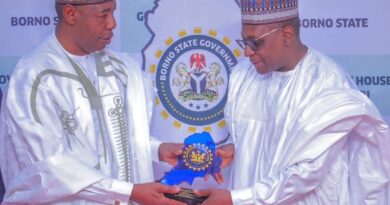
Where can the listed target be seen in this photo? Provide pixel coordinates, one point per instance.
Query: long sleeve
(295, 180)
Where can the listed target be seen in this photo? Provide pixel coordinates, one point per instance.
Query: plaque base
(187, 196)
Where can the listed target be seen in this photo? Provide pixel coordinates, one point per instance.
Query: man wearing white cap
(74, 121)
(303, 134)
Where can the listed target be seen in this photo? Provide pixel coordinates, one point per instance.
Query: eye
(250, 42)
(259, 43)
(103, 14)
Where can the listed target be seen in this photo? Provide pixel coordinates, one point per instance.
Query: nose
(248, 51)
(111, 22)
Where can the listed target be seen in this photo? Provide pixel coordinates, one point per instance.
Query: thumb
(178, 152)
(221, 153)
(169, 189)
(204, 192)
(179, 148)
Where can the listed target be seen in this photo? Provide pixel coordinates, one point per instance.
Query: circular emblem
(197, 157)
(192, 78)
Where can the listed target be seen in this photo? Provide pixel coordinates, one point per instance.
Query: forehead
(102, 7)
(252, 30)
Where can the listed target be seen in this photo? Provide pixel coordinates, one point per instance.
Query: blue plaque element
(197, 160)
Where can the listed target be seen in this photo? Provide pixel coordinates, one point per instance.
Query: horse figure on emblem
(199, 81)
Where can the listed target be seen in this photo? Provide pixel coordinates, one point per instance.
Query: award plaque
(198, 160)
(187, 196)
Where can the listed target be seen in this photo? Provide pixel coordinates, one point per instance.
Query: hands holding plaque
(197, 159)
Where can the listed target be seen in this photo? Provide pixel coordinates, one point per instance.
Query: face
(94, 26)
(264, 46)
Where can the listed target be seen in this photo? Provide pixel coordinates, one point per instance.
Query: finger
(168, 189)
(215, 175)
(218, 177)
(179, 152)
(204, 192)
(221, 176)
(171, 162)
(206, 178)
(220, 153)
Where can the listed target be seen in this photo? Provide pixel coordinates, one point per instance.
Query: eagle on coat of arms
(198, 81)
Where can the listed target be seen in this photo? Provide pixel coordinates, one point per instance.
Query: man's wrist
(154, 147)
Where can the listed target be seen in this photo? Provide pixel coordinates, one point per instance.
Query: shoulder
(323, 64)
(44, 57)
(322, 69)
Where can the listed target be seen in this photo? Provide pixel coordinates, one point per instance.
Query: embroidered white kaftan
(75, 130)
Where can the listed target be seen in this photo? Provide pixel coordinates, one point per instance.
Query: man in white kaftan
(314, 139)
(59, 114)
(303, 134)
(75, 119)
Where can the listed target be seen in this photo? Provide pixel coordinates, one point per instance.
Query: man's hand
(226, 152)
(216, 196)
(169, 152)
(153, 194)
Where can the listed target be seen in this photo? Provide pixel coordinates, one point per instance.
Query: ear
(70, 14)
(288, 35)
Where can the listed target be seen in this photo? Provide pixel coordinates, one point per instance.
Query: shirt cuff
(154, 145)
(242, 196)
(122, 191)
